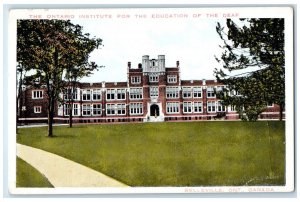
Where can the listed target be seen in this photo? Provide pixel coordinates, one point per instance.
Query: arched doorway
(154, 110)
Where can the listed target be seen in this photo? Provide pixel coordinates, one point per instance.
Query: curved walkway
(62, 172)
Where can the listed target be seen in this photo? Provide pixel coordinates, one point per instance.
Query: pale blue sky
(193, 42)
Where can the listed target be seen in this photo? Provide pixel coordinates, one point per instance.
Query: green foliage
(255, 46)
(52, 50)
(173, 154)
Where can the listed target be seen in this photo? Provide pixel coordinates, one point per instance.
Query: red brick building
(152, 92)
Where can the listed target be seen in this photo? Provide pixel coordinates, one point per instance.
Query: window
(136, 93)
(186, 92)
(210, 92)
(172, 79)
(211, 106)
(110, 94)
(37, 94)
(121, 109)
(172, 107)
(66, 109)
(75, 110)
(154, 92)
(221, 108)
(97, 109)
(37, 109)
(187, 107)
(136, 108)
(97, 94)
(135, 79)
(86, 110)
(198, 107)
(232, 108)
(86, 95)
(153, 78)
(220, 88)
(121, 94)
(69, 92)
(110, 109)
(197, 92)
(172, 92)
(270, 104)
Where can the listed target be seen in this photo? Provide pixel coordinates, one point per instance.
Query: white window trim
(191, 91)
(116, 95)
(84, 91)
(136, 98)
(172, 78)
(93, 109)
(78, 109)
(95, 90)
(191, 108)
(112, 106)
(214, 105)
(113, 93)
(154, 87)
(176, 92)
(37, 111)
(218, 103)
(37, 98)
(65, 93)
(213, 90)
(156, 80)
(133, 79)
(195, 108)
(178, 105)
(135, 103)
(115, 107)
(200, 90)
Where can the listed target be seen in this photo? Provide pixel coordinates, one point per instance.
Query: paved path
(62, 172)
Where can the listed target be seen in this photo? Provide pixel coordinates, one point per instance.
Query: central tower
(153, 65)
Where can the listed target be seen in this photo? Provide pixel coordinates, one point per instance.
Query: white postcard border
(262, 12)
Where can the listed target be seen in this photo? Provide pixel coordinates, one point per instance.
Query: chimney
(129, 65)
(140, 65)
(177, 63)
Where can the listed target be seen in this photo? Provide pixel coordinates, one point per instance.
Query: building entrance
(154, 110)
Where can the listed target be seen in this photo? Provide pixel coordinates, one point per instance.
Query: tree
(253, 63)
(44, 47)
(79, 65)
(21, 74)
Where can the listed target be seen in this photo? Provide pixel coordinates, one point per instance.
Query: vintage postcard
(151, 100)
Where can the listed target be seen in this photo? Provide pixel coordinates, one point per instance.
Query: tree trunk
(50, 115)
(71, 115)
(19, 98)
(51, 94)
(50, 123)
(50, 118)
(280, 112)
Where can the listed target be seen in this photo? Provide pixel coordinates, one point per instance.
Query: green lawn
(173, 154)
(27, 176)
